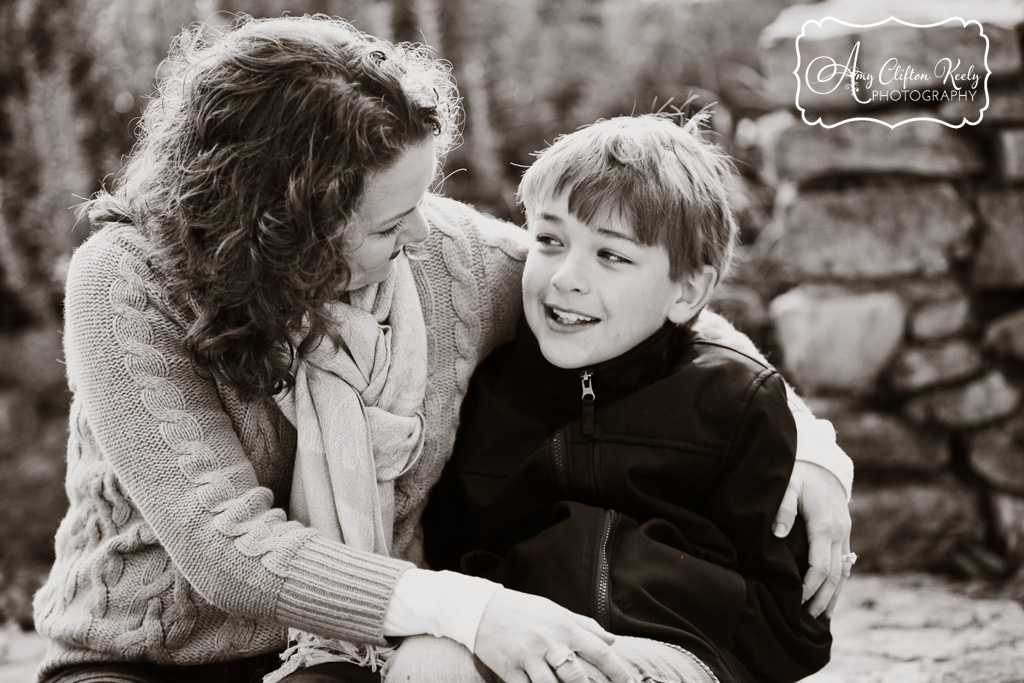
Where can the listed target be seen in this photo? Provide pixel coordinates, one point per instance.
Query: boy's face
(591, 292)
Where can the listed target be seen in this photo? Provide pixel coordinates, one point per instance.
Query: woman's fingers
(595, 675)
(819, 562)
(829, 537)
(567, 667)
(847, 567)
(819, 602)
(539, 672)
(515, 677)
(822, 505)
(527, 635)
(591, 626)
(598, 653)
(571, 672)
(787, 511)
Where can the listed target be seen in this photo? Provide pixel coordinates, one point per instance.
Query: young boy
(609, 458)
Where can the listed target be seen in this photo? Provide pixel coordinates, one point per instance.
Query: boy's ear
(694, 294)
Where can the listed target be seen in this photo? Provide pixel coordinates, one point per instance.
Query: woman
(255, 243)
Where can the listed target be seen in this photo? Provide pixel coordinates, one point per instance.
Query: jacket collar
(645, 363)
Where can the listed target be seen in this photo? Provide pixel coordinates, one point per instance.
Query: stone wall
(894, 267)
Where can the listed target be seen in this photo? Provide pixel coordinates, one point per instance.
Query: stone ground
(888, 629)
(922, 629)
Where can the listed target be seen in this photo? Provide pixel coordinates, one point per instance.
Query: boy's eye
(612, 257)
(548, 241)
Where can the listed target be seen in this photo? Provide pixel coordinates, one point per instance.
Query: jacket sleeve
(816, 438)
(775, 637)
(165, 434)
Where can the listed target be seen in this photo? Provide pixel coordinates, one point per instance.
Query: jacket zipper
(587, 399)
(558, 455)
(604, 569)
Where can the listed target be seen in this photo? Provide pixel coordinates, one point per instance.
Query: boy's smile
(592, 292)
(565, 317)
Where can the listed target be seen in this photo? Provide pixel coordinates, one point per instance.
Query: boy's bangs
(614, 197)
(645, 208)
(599, 204)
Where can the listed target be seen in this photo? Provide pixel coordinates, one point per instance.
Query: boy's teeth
(566, 317)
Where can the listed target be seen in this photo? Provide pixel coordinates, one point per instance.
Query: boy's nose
(569, 277)
(414, 229)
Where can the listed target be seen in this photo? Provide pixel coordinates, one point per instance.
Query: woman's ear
(694, 294)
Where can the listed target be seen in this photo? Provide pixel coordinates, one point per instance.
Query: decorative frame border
(819, 22)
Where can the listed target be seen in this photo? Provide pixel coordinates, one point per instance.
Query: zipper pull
(587, 399)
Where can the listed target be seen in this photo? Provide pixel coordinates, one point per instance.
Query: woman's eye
(393, 230)
(612, 257)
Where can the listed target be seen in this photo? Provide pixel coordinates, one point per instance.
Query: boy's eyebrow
(608, 232)
(605, 232)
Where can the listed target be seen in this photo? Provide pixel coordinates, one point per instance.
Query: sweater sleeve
(172, 446)
(468, 276)
(816, 442)
(775, 637)
(492, 252)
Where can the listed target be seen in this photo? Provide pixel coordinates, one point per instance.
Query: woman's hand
(820, 499)
(525, 638)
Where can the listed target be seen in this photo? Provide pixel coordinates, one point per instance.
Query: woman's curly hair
(252, 156)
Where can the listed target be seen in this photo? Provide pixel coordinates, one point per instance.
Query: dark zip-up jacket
(640, 492)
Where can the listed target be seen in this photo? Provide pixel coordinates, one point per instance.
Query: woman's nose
(414, 229)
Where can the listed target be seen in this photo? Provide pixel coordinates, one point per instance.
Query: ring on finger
(567, 658)
(850, 558)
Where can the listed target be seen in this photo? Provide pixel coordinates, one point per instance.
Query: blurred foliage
(74, 75)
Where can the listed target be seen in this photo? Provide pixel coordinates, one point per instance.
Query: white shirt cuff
(439, 603)
(816, 443)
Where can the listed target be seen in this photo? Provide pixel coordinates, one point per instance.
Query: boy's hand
(526, 638)
(820, 499)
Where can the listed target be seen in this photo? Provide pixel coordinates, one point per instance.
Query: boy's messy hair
(661, 178)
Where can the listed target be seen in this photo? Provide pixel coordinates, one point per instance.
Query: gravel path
(921, 629)
(888, 629)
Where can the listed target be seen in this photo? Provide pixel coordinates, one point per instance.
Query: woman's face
(389, 216)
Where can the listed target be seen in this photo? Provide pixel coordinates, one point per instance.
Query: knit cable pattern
(182, 432)
(450, 269)
(152, 630)
(470, 269)
(465, 295)
(113, 585)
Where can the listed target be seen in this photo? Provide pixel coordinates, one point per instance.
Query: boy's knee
(427, 659)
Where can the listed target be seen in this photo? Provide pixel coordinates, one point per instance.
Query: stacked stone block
(897, 290)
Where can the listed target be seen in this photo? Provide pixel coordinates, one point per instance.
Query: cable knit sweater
(173, 550)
